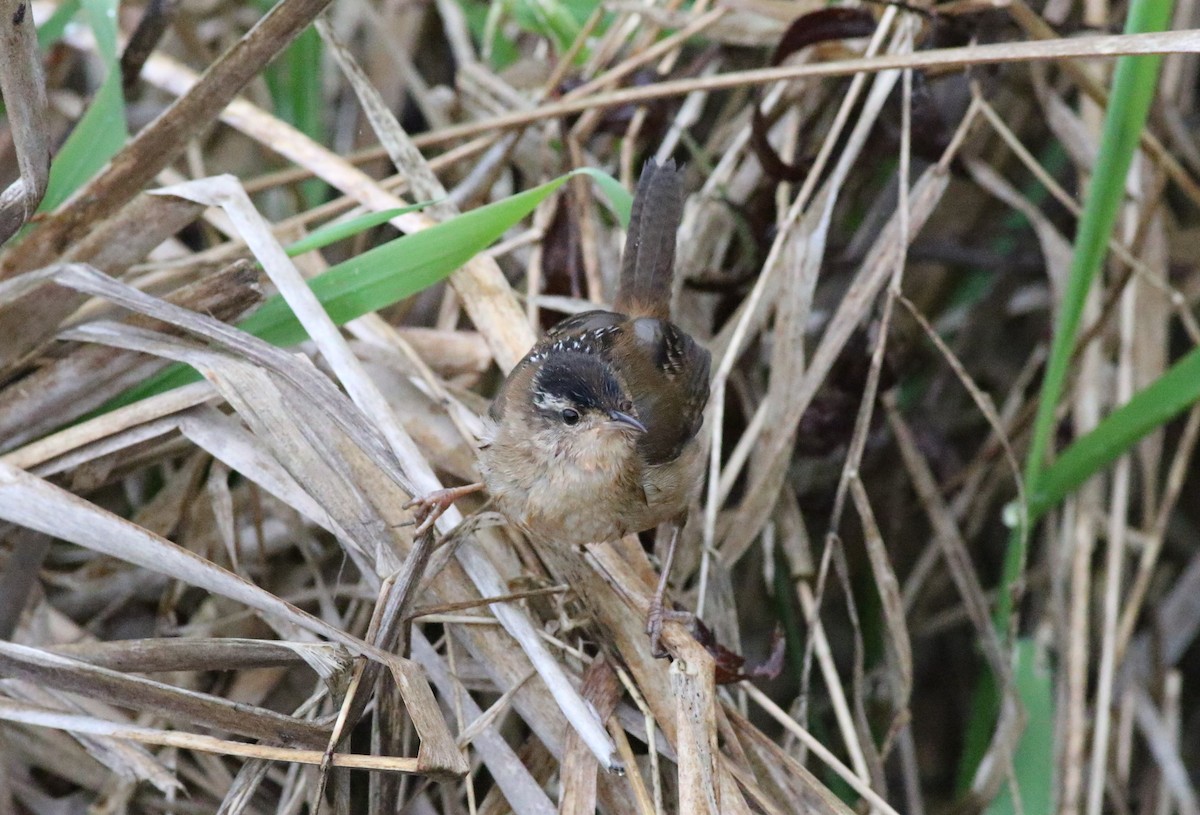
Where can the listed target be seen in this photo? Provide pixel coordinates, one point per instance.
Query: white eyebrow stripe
(550, 402)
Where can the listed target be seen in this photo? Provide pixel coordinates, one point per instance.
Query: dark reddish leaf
(729, 664)
(823, 26)
(808, 29)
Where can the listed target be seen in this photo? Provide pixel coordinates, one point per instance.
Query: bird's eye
(570, 416)
(626, 406)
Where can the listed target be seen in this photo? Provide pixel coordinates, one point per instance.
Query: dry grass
(210, 600)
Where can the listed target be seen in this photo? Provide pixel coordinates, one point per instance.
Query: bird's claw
(655, 618)
(428, 508)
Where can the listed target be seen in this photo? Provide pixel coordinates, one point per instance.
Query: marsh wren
(593, 435)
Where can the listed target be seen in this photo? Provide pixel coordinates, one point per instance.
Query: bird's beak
(625, 421)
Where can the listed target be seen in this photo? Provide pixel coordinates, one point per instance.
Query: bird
(594, 434)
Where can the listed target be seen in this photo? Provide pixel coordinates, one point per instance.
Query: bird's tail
(649, 259)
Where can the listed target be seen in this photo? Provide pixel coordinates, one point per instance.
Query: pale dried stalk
(1174, 42)
(228, 194)
(24, 92)
(857, 784)
(833, 681)
(692, 680)
(16, 712)
(898, 643)
(54, 671)
(1114, 564)
(37, 504)
(1159, 738)
(165, 138)
(61, 391)
(789, 392)
(1118, 247)
(1036, 26)
(486, 295)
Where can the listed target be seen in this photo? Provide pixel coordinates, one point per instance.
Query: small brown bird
(593, 435)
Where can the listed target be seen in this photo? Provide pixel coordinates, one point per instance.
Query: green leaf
(400, 268)
(1133, 90)
(618, 196)
(55, 26)
(548, 18)
(101, 132)
(1160, 402)
(1134, 84)
(1033, 762)
(333, 233)
(295, 82)
(389, 273)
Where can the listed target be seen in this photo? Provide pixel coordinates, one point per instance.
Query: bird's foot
(428, 508)
(656, 618)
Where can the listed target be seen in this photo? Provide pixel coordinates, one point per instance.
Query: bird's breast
(562, 498)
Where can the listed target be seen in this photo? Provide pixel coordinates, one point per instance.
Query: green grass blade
(101, 132)
(400, 268)
(389, 273)
(1033, 763)
(483, 21)
(333, 233)
(1134, 85)
(55, 26)
(1160, 402)
(618, 196)
(548, 18)
(294, 80)
(1133, 90)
